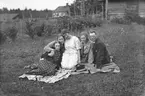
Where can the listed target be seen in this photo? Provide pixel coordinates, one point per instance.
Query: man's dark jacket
(101, 55)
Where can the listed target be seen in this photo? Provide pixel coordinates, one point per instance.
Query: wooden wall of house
(119, 8)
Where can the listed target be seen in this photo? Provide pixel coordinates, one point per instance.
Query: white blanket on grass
(63, 73)
(48, 79)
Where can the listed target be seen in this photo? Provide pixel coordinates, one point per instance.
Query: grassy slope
(125, 46)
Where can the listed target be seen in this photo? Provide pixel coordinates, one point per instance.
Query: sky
(33, 4)
(36, 4)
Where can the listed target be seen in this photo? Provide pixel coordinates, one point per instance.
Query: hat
(64, 31)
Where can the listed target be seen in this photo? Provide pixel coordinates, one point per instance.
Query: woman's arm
(51, 53)
(49, 46)
(78, 47)
(79, 56)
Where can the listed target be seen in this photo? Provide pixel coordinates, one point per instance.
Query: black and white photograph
(72, 47)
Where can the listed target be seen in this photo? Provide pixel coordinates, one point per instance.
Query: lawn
(124, 42)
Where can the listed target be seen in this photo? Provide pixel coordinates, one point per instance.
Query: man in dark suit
(100, 53)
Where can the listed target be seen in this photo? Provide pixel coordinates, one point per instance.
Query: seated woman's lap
(69, 61)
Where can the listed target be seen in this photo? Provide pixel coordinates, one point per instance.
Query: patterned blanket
(65, 73)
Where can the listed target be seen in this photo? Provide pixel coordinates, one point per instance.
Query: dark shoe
(25, 78)
(80, 67)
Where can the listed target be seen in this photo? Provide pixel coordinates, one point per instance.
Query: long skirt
(44, 67)
(69, 60)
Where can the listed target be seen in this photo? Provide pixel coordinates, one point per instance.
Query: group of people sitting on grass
(69, 55)
(86, 54)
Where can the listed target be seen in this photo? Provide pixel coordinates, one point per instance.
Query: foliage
(141, 20)
(40, 30)
(49, 29)
(45, 29)
(2, 37)
(29, 29)
(11, 32)
(90, 7)
(26, 12)
(120, 20)
(77, 23)
(137, 19)
(97, 22)
(63, 22)
(128, 19)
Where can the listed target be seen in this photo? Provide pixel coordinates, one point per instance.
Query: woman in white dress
(71, 55)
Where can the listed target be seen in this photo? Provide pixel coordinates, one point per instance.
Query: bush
(139, 20)
(77, 23)
(128, 19)
(2, 37)
(97, 22)
(121, 20)
(40, 30)
(11, 32)
(29, 29)
(49, 30)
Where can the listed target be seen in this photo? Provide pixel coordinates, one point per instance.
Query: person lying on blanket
(48, 62)
(101, 54)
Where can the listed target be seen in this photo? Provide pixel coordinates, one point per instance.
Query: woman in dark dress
(50, 47)
(51, 58)
(48, 62)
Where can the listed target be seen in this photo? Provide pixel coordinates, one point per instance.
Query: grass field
(125, 43)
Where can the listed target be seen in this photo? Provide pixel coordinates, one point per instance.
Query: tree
(45, 10)
(5, 10)
(75, 8)
(26, 9)
(85, 7)
(1, 11)
(92, 6)
(11, 10)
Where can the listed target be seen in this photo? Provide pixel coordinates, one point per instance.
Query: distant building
(6, 17)
(117, 9)
(142, 9)
(61, 11)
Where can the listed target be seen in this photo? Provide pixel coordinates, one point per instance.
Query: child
(48, 62)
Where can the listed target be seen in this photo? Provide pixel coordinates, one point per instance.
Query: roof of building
(62, 9)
